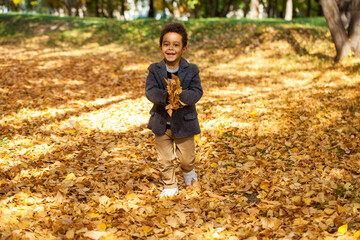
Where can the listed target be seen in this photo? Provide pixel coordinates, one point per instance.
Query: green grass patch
(143, 34)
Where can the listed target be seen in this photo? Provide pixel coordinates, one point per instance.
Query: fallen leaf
(173, 222)
(356, 234)
(94, 234)
(343, 229)
(70, 234)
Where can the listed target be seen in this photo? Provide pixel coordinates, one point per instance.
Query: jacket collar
(182, 66)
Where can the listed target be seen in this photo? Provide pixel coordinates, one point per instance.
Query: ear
(184, 49)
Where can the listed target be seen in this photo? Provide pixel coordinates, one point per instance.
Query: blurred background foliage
(142, 35)
(160, 9)
(342, 16)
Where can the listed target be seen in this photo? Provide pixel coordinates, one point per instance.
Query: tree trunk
(254, 9)
(246, 8)
(97, 12)
(272, 8)
(216, 9)
(13, 8)
(122, 10)
(226, 8)
(213, 8)
(345, 11)
(68, 5)
(282, 13)
(69, 10)
(320, 11)
(195, 11)
(103, 11)
(336, 27)
(354, 27)
(268, 8)
(308, 12)
(207, 9)
(289, 10)
(151, 9)
(276, 11)
(77, 5)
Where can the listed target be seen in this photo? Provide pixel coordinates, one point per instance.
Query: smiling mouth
(171, 54)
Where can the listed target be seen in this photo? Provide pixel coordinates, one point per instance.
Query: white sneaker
(169, 192)
(190, 176)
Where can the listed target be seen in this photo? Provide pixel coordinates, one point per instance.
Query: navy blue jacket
(184, 121)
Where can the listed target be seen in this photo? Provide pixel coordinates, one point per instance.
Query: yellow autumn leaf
(199, 222)
(343, 229)
(130, 195)
(101, 226)
(341, 209)
(260, 146)
(70, 176)
(357, 234)
(26, 191)
(214, 165)
(110, 236)
(307, 201)
(296, 199)
(329, 211)
(70, 234)
(146, 229)
(310, 193)
(93, 215)
(295, 150)
(264, 185)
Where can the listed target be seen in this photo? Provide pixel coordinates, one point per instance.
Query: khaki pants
(166, 147)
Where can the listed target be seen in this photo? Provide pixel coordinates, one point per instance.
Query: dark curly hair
(177, 28)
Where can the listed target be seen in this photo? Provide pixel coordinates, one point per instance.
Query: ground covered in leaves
(278, 157)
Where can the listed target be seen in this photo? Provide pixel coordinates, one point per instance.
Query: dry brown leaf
(279, 142)
(174, 90)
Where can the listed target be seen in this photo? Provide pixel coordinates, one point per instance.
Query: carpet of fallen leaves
(278, 157)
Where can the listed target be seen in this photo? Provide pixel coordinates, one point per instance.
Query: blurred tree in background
(342, 16)
(343, 19)
(168, 8)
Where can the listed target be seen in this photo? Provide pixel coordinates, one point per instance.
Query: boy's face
(172, 48)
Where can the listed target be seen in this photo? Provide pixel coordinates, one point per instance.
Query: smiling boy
(174, 135)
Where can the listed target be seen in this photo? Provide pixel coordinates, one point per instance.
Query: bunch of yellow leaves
(174, 90)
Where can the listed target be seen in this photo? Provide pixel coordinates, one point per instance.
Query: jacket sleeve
(193, 94)
(153, 92)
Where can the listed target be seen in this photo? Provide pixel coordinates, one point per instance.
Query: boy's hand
(174, 90)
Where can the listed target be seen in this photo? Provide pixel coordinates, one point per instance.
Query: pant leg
(166, 156)
(185, 150)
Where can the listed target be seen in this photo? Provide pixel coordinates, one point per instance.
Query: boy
(174, 133)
